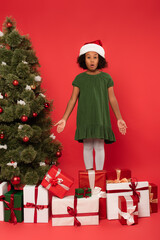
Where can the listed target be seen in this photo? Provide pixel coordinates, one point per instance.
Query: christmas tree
(27, 147)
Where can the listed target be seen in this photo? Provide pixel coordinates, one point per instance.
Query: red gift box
(118, 175)
(94, 179)
(153, 197)
(128, 210)
(57, 182)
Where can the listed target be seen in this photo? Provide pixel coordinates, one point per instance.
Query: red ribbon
(133, 187)
(10, 205)
(34, 205)
(73, 212)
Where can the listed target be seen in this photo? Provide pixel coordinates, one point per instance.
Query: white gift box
(123, 189)
(3, 190)
(40, 208)
(87, 211)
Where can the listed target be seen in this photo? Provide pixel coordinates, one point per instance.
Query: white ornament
(1, 34)
(3, 146)
(1, 96)
(52, 136)
(28, 87)
(3, 64)
(14, 164)
(37, 78)
(21, 102)
(42, 164)
(41, 94)
(20, 127)
(24, 62)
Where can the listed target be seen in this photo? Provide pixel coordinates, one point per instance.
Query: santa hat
(95, 46)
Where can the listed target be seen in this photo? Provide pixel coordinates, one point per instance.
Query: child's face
(91, 60)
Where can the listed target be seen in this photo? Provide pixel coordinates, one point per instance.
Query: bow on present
(54, 181)
(129, 215)
(97, 191)
(133, 186)
(73, 212)
(118, 180)
(10, 207)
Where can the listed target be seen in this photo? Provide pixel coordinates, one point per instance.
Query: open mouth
(92, 65)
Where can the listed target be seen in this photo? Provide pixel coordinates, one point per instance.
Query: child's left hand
(122, 126)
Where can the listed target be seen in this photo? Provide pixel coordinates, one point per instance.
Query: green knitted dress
(93, 118)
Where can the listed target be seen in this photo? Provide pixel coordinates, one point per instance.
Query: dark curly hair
(101, 63)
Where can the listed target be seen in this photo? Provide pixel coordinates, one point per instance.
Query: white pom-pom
(24, 62)
(21, 102)
(41, 94)
(1, 34)
(3, 63)
(28, 87)
(20, 127)
(37, 78)
(52, 136)
(1, 96)
(42, 164)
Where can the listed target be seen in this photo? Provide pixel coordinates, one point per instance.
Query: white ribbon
(42, 95)
(97, 191)
(129, 215)
(1, 96)
(21, 102)
(3, 63)
(14, 164)
(52, 136)
(37, 78)
(24, 62)
(3, 146)
(28, 87)
(42, 164)
(59, 182)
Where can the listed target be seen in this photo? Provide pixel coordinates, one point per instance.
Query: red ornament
(9, 24)
(24, 118)
(2, 135)
(34, 114)
(47, 162)
(1, 110)
(16, 180)
(47, 105)
(25, 139)
(12, 161)
(15, 83)
(6, 95)
(58, 154)
(33, 87)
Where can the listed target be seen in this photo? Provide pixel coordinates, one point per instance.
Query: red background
(130, 34)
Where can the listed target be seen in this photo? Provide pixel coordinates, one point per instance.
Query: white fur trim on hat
(92, 47)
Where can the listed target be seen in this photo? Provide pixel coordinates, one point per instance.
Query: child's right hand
(60, 125)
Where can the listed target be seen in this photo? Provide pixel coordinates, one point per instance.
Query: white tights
(98, 146)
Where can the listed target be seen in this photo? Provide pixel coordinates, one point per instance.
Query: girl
(93, 88)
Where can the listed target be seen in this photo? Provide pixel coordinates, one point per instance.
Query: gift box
(71, 211)
(128, 210)
(82, 192)
(94, 179)
(13, 211)
(57, 182)
(3, 190)
(153, 197)
(36, 204)
(139, 189)
(118, 175)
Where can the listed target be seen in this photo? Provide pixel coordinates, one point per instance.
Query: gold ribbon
(118, 180)
(151, 200)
